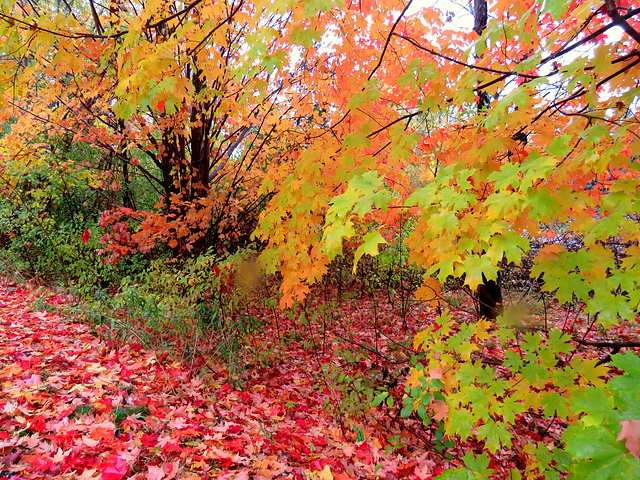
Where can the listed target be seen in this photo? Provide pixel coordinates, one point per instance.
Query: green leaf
(379, 398)
(477, 265)
(275, 61)
(534, 373)
(367, 182)
(369, 246)
(629, 362)
(555, 7)
(519, 97)
(311, 7)
(456, 474)
(509, 244)
(356, 140)
(559, 146)
(436, 383)
(542, 203)
(460, 421)
(305, 37)
(589, 442)
(609, 306)
(333, 236)
(370, 94)
(555, 405)
(595, 402)
(598, 456)
(495, 434)
(479, 465)
(558, 342)
(508, 175)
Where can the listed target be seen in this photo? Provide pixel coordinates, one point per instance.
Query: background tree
(190, 98)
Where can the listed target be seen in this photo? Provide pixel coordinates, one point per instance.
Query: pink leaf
(630, 433)
(155, 473)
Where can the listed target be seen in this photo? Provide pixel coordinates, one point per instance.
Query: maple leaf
(89, 474)
(325, 473)
(114, 468)
(430, 292)
(630, 434)
(441, 410)
(155, 472)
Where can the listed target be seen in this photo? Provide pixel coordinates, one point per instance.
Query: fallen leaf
(115, 470)
(88, 474)
(155, 473)
(325, 473)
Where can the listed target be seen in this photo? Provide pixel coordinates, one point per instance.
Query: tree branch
(606, 344)
(612, 11)
(386, 43)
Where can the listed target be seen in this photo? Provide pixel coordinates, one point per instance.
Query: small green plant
(82, 410)
(120, 414)
(356, 388)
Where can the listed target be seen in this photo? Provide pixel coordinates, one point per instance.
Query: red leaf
(116, 470)
(86, 235)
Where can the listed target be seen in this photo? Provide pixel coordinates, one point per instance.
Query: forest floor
(76, 404)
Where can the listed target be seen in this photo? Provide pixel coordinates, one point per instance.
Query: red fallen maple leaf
(86, 235)
(115, 470)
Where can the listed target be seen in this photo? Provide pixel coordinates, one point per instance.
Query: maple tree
(315, 125)
(195, 98)
(556, 150)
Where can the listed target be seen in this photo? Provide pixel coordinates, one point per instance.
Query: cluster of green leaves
(541, 376)
(354, 385)
(49, 220)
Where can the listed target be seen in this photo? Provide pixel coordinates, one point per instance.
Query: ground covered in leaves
(75, 404)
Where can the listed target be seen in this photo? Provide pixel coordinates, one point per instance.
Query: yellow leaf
(414, 379)
(325, 473)
(481, 329)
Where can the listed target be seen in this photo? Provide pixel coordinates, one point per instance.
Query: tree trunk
(489, 293)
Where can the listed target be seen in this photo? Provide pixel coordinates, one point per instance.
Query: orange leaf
(550, 252)
(429, 292)
(441, 410)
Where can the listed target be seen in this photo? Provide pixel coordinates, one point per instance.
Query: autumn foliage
(317, 129)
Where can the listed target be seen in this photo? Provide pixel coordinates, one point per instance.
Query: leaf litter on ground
(75, 405)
